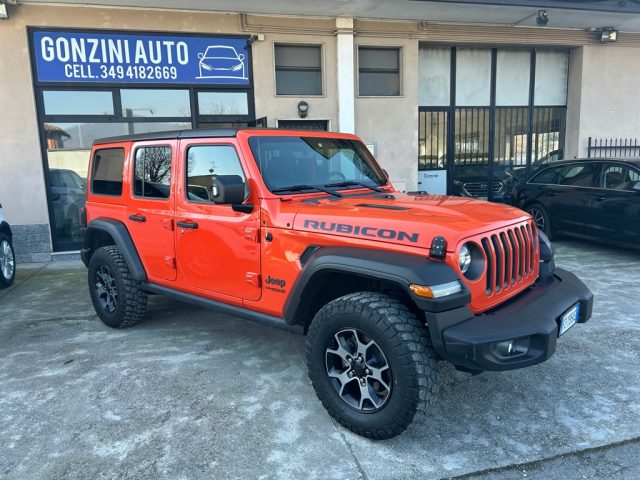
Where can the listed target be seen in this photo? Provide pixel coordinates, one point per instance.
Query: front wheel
(371, 363)
(7, 261)
(542, 219)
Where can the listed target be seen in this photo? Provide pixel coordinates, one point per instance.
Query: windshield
(314, 162)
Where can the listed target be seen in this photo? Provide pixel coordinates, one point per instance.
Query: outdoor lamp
(609, 35)
(303, 109)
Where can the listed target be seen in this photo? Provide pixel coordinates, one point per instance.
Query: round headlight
(464, 258)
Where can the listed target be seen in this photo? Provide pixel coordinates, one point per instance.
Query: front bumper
(470, 341)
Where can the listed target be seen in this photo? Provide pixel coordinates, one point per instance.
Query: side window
(547, 177)
(580, 175)
(106, 173)
(152, 172)
(205, 162)
(618, 177)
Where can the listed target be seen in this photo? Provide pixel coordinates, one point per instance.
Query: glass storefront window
(473, 77)
(513, 69)
(552, 71)
(435, 76)
(77, 102)
(223, 103)
(155, 103)
(68, 149)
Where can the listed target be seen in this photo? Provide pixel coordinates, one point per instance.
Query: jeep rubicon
(304, 230)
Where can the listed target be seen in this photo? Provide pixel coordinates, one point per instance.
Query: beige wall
(324, 107)
(392, 122)
(604, 95)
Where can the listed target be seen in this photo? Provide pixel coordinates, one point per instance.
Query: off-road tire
(404, 342)
(540, 214)
(6, 281)
(131, 299)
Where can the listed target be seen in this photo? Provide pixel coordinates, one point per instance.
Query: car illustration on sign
(219, 61)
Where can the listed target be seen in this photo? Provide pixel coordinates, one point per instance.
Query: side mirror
(201, 56)
(636, 187)
(227, 189)
(241, 57)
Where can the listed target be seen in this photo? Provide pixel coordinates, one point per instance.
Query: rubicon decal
(362, 231)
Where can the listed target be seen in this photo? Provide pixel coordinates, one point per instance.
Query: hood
(402, 219)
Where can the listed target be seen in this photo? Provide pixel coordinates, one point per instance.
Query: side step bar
(222, 307)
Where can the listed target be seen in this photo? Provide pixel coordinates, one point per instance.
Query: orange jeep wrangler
(303, 230)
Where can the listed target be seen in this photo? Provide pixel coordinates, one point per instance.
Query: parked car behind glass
(594, 198)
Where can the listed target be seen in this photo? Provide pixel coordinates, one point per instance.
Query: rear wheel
(115, 294)
(371, 364)
(7, 261)
(541, 217)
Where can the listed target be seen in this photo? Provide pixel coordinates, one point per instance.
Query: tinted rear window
(106, 174)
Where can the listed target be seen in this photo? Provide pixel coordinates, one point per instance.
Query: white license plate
(569, 319)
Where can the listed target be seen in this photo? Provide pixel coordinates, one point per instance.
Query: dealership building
(450, 96)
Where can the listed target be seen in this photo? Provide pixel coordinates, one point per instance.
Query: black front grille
(481, 189)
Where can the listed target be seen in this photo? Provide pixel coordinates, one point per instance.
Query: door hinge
(253, 279)
(252, 234)
(168, 224)
(171, 262)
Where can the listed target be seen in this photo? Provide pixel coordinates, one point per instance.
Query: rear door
(616, 207)
(571, 197)
(218, 247)
(151, 208)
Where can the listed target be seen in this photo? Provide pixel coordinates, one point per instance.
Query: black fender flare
(399, 268)
(122, 238)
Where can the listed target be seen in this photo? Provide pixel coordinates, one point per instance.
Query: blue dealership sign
(139, 58)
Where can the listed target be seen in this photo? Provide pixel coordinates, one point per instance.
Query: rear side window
(152, 172)
(106, 174)
(547, 177)
(618, 177)
(580, 175)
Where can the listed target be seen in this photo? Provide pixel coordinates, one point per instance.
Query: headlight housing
(471, 261)
(464, 258)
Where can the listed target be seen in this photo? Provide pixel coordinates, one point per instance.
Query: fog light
(513, 347)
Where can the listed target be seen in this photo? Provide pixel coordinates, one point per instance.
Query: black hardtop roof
(171, 135)
(193, 133)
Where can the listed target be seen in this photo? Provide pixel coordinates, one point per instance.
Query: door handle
(138, 218)
(191, 225)
(553, 194)
(601, 198)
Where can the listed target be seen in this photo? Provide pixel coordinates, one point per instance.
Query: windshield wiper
(350, 183)
(299, 188)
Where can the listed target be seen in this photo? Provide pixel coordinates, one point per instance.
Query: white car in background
(7, 257)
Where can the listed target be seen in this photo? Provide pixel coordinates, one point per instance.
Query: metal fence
(613, 147)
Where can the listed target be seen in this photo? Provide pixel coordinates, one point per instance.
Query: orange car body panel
(228, 259)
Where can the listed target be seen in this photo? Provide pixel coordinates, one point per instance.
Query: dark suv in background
(594, 198)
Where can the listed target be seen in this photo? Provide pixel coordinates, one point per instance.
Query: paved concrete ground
(195, 394)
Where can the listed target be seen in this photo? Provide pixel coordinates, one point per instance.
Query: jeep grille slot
(511, 255)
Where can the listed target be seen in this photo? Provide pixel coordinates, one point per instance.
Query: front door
(150, 211)
(217, 247)
(615, 208)
(572, 196)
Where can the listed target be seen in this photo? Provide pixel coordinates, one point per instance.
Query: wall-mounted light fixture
(4, 13)
(303, 109)
(608, 35)
(542, 18)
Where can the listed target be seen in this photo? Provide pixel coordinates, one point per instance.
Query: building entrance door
(489, 116)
